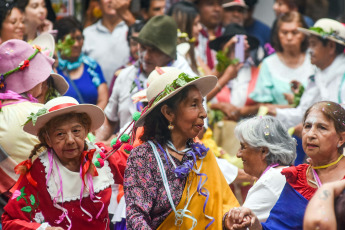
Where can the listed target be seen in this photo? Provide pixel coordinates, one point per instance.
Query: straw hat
(64, 105)
(327, 28)
(15, 53)
(175, 80)
(232, 3)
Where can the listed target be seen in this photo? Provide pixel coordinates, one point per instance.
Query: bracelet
(219, 87)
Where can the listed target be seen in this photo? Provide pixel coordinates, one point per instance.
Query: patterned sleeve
(139, 188)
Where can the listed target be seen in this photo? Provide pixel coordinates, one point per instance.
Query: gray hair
(269, 132)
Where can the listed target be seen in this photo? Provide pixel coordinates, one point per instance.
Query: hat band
(61, 106)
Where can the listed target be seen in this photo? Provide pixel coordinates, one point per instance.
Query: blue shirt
(259, 30)
(86, 84)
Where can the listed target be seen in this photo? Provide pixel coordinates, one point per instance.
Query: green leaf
(26, 209)
(65, 46)
(33, 116)
(32, 199)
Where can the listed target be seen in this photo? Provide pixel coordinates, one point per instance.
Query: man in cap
(326, 44)
(234, 12)
(157, 47)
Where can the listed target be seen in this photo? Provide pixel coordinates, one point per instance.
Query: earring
(170, 126)
(338, 145)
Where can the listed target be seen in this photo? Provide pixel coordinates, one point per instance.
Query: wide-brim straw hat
(328, 29)
(161, 33)
(232, 3)
(65, 105)
(14, 52)
(164, 78)
(230, 31)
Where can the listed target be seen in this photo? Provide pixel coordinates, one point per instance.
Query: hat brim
(231, 4)
(310, 32)
(204, 84)
(95, 113)
(216, 43)
(46, 42)
(149, 43)
(60, 83)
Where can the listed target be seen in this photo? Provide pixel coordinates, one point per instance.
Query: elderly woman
(62, 188)
(323, 138)
(25, 80)
(170, 180)
(11, 21)
(36, 22)
(266, 148)
(291, 62)
(82, 72)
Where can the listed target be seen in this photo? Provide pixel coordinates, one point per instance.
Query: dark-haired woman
(170, 180)
(290, 62)
(11, 21)
(84, 75)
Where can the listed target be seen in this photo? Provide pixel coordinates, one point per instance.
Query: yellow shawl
(220, 201)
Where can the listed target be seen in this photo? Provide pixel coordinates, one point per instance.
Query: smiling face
(35, 12)
(319, 137)
(188, 120)
(67, 138)
(13, 26)
(254, 162)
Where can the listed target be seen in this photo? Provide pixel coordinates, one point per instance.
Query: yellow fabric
(220, 201)
(17, 143)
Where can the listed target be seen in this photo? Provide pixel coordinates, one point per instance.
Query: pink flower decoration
(16, 194)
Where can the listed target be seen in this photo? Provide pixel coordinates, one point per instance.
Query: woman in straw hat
(25, 80)
(323, 140)
(62, 188)
(170, 180)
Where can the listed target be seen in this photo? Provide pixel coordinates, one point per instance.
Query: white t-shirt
(265, 192)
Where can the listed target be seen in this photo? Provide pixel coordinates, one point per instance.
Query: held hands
(239, 218)
(231, 112)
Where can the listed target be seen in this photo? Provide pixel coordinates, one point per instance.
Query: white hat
(63, 105)
(231, 3)
(327, 28)
(168, 83)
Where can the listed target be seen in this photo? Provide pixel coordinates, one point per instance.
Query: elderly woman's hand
(239, 218)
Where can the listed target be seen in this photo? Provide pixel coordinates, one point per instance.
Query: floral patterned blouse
(146, 199)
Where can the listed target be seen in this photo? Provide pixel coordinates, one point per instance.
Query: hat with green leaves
(327, 29)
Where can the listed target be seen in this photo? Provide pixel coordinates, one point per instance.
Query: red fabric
(6, 182)
(117, 162)
(16, 219)
(297, 178)
(225, 94)
(23, 168)
(209, 56)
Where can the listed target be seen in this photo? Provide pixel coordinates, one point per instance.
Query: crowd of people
(164, 114)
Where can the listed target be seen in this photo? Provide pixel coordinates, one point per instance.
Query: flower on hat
(24, 64)
(2, 82)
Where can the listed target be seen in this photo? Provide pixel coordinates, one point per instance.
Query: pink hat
(231, 3)
(34, 68)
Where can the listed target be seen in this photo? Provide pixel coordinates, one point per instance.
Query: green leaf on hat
(33, 116)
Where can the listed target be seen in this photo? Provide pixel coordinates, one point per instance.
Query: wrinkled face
(157, 7)
(13, 26)
(319, 54)
(35, 12)
(196, 27)
(150, 57)
(67, 139)
(190, 115)
(289, 36)
(108, 7)
(211, 13)
(280, 7)
(253, 159)
(78, 38)
(234, 14)
(319, 136)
